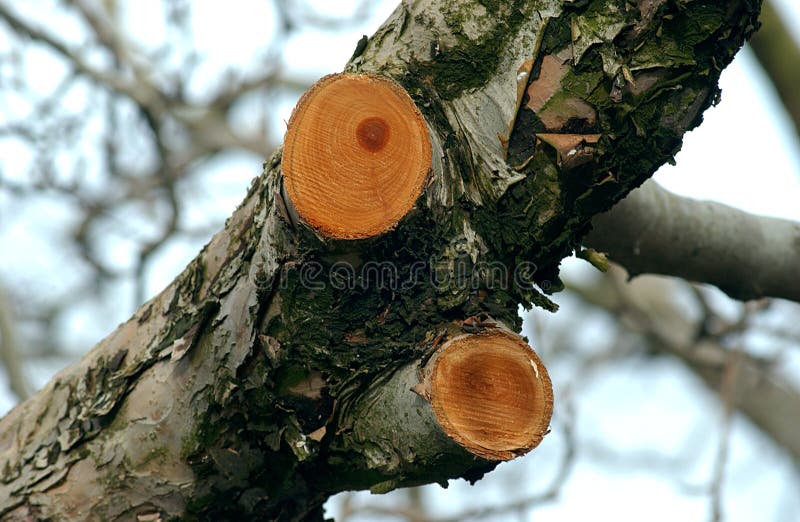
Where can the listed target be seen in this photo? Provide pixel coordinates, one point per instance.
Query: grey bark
(746, 256)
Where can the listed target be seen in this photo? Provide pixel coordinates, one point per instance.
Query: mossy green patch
(471, 63)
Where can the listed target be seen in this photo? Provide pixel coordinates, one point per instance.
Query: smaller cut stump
(491, 393)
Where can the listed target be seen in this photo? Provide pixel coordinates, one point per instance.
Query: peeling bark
(238, 392)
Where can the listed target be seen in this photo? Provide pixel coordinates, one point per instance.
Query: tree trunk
(276, 369)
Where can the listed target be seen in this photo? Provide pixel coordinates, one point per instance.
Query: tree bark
(744, 255)
(248, 389)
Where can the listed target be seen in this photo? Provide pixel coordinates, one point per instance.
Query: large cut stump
(356, 155)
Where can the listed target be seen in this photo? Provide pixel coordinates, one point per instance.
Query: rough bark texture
(210, 403)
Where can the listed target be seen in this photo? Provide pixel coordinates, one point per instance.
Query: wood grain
(356, 155)
(492, 394)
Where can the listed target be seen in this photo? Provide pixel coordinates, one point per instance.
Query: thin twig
(728, 390)
(9, 351)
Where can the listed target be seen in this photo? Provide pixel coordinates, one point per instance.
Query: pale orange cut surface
(356, 155)
(492, 394)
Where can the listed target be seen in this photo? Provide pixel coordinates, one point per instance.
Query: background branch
(769, 399)
(745, 255)
(779, 54)
(9, 351)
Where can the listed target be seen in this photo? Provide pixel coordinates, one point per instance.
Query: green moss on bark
(471, 63)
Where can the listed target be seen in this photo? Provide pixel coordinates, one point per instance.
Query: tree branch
(779, 54)
(254, 386)
(746, 256)
(9, 350)
(768, 399)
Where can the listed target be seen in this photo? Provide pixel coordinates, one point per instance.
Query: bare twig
(727, 394)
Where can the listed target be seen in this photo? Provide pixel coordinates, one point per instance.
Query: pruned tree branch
(745, 255)
(262, 379)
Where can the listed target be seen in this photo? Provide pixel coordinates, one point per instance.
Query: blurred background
(129, 131)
